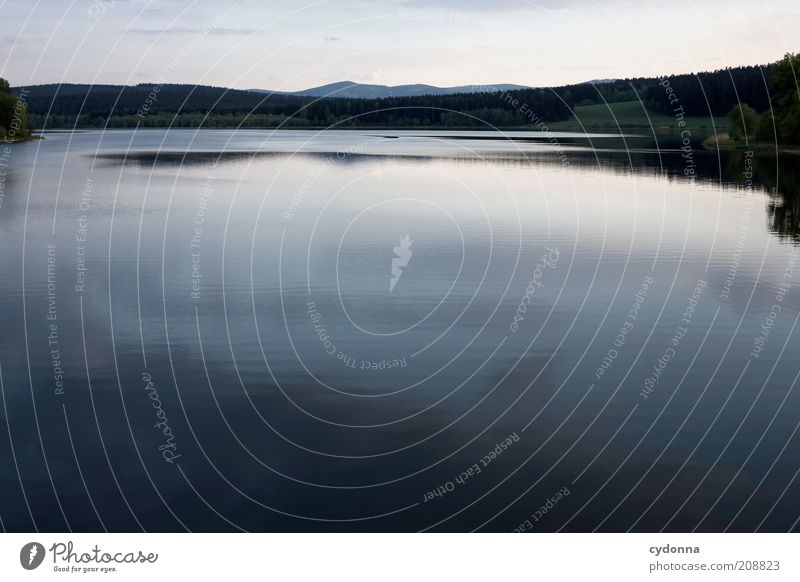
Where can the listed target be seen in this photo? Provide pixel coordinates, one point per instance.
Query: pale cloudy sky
(294, 44)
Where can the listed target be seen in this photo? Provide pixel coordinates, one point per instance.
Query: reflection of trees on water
(782, 175)
(778, 176)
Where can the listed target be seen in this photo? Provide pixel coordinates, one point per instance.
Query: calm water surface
(381, 330)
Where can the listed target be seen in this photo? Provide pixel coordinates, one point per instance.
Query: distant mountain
(352, 90)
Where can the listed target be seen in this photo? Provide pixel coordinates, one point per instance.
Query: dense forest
(703, 94)
(779, 123)
(61, 106)
(713, 93)
(14, 122)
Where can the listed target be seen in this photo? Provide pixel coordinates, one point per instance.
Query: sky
(291, 45)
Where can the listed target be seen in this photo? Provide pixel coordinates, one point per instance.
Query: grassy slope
(632, 115)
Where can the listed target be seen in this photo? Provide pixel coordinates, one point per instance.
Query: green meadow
(631, 115)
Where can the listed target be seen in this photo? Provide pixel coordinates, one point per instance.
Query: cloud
(476, 5)
(509, 5)
(10, 41)
(220, 30)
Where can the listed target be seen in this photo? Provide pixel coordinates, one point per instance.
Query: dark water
(200, 331)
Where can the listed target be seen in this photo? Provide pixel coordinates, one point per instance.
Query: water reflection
(778, 175)
(246, 278)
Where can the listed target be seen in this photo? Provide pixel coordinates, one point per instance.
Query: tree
(766, 130)
(14, 122)
(786, 98)
(744, 121)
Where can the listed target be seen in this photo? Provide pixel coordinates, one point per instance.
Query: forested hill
(51, 106)
(704, 94)
(701, 95)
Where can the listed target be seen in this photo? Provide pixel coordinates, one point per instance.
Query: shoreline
(721, 143)
(724, 143)
(16, 139)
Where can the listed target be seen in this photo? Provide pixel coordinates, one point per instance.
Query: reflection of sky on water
(316, 433)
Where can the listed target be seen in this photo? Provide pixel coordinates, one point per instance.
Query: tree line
(63, 106)
(767, 90)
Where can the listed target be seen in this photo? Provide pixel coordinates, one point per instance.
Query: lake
(396, 331)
